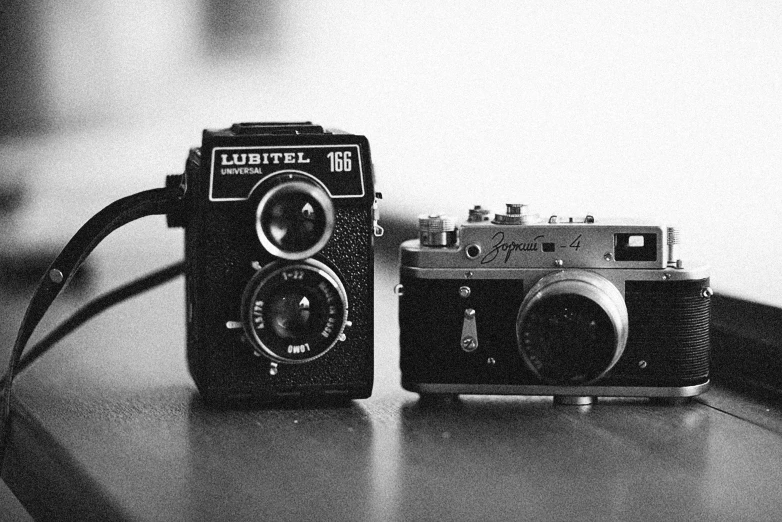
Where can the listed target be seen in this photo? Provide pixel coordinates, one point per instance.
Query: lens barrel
(294, 219)
(294, 312)
(572, 327)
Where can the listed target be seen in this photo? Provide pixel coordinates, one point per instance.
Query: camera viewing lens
(295, 219)
(572, 327)
(294, 312)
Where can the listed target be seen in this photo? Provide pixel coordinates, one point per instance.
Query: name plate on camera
(236, 171)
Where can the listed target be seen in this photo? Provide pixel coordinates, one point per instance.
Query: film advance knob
(516, 214)
(436, 230)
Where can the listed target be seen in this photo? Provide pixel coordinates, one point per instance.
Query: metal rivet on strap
(56, 276)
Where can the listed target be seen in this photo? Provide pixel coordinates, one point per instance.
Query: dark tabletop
(110, 425)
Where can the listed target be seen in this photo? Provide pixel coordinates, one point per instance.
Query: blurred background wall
(664, 109)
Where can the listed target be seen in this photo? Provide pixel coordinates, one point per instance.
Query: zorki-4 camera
(574, 308)
(279, 223)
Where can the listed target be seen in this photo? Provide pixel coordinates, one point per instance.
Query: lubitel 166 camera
(574, 308)
(279, 221)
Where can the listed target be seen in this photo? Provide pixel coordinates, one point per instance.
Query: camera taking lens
(294, 313)
(572, 327)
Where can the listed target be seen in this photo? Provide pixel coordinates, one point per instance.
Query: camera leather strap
(60, 272)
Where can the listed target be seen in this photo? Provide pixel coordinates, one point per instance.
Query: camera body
(279, 223)
(574, 308)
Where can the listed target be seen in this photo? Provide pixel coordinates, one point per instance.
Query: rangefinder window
(635, 247)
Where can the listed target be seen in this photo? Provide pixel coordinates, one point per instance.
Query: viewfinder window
(636, 241)
(635, 247)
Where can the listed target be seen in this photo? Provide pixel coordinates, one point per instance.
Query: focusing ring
(293, 187)
(547, 303)
(271, 299)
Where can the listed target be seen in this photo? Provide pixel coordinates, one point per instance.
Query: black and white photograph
(390, 261)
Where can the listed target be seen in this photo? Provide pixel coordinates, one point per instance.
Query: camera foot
(574, 400)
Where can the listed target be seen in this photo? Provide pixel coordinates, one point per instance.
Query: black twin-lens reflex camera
(279, 223)
(574, 308)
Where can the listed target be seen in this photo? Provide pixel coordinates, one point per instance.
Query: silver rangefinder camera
(575, 308)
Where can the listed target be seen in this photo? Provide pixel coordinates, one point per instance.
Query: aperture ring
(296, 312)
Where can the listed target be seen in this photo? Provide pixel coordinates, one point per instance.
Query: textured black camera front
(569, 339)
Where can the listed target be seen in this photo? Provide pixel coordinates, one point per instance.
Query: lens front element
(572, 327)
(295, 219)
(294, 312)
